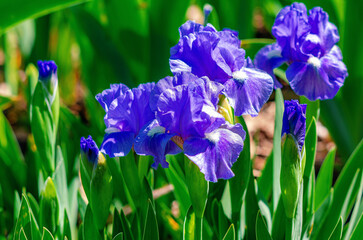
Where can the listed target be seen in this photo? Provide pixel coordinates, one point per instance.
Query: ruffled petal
(107, 96)
(168, 83)
(290, 26)
(320, 25)
(269, 58)
(248, 91)
(193, 54)
(152, 140)
(117, 144)
(225, 145)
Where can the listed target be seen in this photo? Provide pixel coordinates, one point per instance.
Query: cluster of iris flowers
(191, 111)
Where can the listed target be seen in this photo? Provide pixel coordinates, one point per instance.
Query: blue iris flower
(187, 119)
(204, 51)
(127, 111)
(307, 43)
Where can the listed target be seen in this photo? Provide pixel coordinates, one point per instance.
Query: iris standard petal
(268, 58)
(107, 96)
(320, 25)
(168, 83)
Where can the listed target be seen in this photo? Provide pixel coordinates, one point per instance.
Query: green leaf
(321, 213)
(324, 179)
(310, 148)
(89, 227)
(67, 233)
(13, 14)
(341, 205)
(337, 232)
(101, 191)
(219, 219)
(197, 186)
(151, 230)
(47, 235)
(43, 127)
(138, 196)
(239, 182)
(23, 218)
(358, 230)
(261, 229)
(230, 234)
(49, 207)
(117, 179)
(276, 191)
(251, 208)
(192, 228)
(126, 229)
(119, 236)
(265, 180)
(180, 189)
(116, 224)
(354, 216)
(22, 235)
(279, 221)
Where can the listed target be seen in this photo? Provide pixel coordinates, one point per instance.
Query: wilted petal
(223, 149)
(248, 91)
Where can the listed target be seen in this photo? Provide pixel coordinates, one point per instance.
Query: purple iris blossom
(127, 111)
(48, 77)
(307, 45)
(294, 122)
(187, 114)
(89, 149)
(204, 51)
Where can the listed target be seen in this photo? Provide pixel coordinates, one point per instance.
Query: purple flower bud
(46, 70)
(89, 149)
(294, 122)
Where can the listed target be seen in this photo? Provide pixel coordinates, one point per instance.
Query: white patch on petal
(112, 130)
(315, 62)
(155, 130)
(213, 136)
(240, 75)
